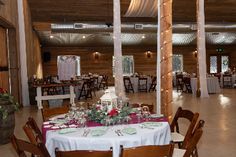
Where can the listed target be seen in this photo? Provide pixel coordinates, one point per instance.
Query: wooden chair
(142, 84)
(22, 146)
(189, 148)
(49, 112)
(187, 84)
(128, 85)
(83, 153)
(148, 151)
(104, 82)
(86, 90)
(179, 82)
(199, 125)
(32, 131)
(151, 107)
(153, 84)
(227, 80)
(175, 131)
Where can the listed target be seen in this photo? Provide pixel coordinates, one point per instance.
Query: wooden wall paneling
(4, 76)
(33, 50)
(9, 12)
(142, 64)
(3, 48)
(14, 65)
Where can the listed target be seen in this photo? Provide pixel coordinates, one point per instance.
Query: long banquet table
(213, 85)
(76, 141)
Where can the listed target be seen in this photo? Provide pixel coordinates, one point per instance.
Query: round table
(159, 135)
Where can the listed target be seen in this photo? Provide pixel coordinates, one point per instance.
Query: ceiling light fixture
(51, 36)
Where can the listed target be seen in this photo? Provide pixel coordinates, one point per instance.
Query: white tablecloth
(134, 81)
(75, 141)
(233, 80)
(213, 85)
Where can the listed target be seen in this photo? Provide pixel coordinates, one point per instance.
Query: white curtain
(119, 85)
(142, 8)
(67, 67)
(201, 48)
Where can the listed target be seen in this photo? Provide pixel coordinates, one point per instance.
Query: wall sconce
(148, 54)
(96, 55)
(195, 54)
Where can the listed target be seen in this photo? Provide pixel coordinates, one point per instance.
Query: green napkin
(67, 130)
(98, 132)
(129, 131)
(152, 124)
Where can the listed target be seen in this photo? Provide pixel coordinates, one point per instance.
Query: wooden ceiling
(102, 11)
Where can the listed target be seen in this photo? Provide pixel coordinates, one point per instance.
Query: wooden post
(165, 50)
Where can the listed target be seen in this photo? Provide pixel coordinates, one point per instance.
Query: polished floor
(219, 112)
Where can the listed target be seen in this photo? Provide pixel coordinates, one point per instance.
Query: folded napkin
(129, 131)
(67, 130)
(98, 132)
(151, 124)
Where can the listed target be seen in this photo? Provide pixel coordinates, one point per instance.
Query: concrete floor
(218, 111)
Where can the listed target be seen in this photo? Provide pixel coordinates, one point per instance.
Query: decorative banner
(201, 48)
(119, 85)
(164, 58)
(142, 8)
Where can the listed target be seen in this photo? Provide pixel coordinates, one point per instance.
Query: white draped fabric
(119, 85)
(76, 141)
(158, 72)
(142, 8)
(67, 67)
(201, 48)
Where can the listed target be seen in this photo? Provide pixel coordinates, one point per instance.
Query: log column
(165, 56)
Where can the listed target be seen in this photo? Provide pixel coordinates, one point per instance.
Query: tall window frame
(222, 63)
(127, 65)
(177, 63)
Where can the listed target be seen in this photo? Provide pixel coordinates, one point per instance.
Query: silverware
(86, 132)
(121, 134)
(116, 131)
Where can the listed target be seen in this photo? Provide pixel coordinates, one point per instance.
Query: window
(224, 63)
(177, 62)
(127, 64)
(213, 64)
(219, 63)
(68, 66)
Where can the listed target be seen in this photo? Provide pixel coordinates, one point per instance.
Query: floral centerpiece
(102, 115)
(109, 110)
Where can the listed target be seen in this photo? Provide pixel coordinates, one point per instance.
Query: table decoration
(152, 124)
(129, 130)
(67, 130)
(98, 132)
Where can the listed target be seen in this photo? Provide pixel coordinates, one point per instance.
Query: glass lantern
(109, 100)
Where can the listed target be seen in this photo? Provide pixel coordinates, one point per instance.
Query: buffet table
(85, 139)
(213, 85)
(40, 97)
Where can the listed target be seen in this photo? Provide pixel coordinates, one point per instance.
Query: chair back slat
(32, 131)
(198, 126)
(22, 146)
(83, 153)
(191, 145)
(148, 151)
